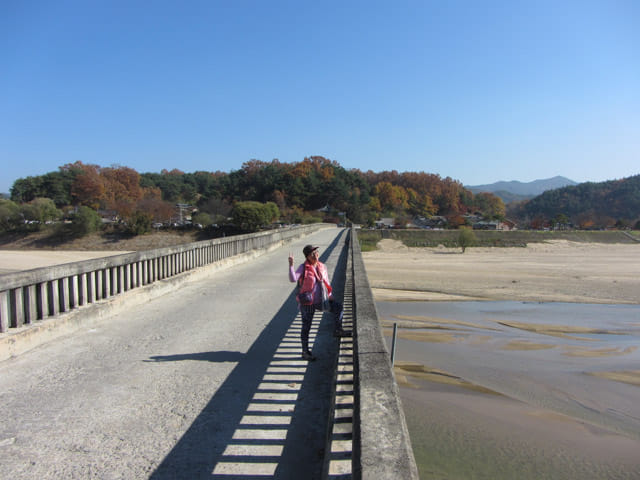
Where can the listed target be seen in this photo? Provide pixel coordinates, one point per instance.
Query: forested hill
(298, 189)
(316, 189)
(587, 204)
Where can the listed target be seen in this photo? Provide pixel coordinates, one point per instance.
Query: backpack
(303, 298)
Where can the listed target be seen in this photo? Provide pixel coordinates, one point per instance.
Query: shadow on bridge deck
(271, 417)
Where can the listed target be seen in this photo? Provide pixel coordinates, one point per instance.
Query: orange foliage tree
(391, 197)
(152, 203)
(123, 190)
(88, 187)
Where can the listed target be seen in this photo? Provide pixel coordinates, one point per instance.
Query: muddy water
(533, 390)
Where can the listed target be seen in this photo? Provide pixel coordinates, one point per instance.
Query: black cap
(308, 249)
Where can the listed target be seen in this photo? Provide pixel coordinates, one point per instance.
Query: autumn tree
(491, 206)
(450, 197)
(278, 197)
(122, 189)
(456, 221)
(420, 204)
(159, 210)
(88, 187)
(392, 198)
(374, 205)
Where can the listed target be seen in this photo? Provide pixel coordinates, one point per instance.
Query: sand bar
(557, 271)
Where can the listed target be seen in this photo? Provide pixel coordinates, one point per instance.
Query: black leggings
(307, 311)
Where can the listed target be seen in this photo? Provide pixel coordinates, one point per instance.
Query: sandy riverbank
(19, 260)
(558, 271)
(42, 249)
(448, 368)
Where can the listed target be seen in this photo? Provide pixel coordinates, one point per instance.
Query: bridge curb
(381, 443)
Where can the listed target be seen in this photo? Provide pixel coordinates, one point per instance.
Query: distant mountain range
(514, 190)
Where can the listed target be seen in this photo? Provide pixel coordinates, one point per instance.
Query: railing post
(106, 283)
(42, 300)
(17, 312)
(74, 294)
(126, 278)
(119, 279)
(99, 279)
(30, 304)
(53, 295)
(4, 311)
(83, 289)
(63, 294)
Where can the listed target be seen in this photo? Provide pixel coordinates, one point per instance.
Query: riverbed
(527, 390)
(516, 362)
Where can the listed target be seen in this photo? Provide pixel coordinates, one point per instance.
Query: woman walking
(312, 278)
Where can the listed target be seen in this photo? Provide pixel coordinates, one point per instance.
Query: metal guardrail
(381, 443)
(34, 295)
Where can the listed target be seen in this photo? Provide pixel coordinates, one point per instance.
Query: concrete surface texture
(204, 382)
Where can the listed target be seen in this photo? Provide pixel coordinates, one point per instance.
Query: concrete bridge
(184, 363)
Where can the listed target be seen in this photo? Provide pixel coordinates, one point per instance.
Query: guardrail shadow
(270, 416)
(216, 357)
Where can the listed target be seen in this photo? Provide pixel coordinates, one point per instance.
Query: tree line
(314, 189)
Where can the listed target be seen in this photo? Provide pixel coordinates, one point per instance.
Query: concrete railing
(381, 444)
(31, 296)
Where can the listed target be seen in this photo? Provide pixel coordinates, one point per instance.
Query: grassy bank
(518, 238)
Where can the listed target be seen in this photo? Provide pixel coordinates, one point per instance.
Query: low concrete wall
(381, 444)
(41, 304)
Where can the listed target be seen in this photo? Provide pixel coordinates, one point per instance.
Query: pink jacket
(310, 283)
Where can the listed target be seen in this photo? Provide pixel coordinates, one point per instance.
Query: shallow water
(554, 418)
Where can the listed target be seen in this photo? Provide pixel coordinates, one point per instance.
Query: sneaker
(342, 333)
(307, 356)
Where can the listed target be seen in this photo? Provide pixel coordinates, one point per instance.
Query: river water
(559, 396)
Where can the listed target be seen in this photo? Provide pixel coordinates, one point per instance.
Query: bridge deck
(205, 382)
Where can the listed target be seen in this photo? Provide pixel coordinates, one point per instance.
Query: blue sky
(479, 91)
